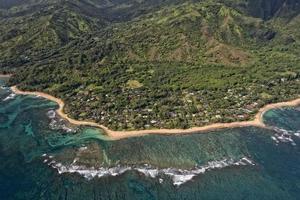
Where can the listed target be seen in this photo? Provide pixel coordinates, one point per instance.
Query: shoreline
(117, 135)
(5, 75)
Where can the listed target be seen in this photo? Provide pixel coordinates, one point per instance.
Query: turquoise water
(43, 157)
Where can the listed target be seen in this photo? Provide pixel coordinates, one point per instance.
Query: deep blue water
(43, 157)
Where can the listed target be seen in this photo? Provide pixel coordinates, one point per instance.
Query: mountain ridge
(155, 64)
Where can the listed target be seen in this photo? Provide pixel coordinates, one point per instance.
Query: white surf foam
(4, 88)
(58, 124)
(297, 134)
(10, 97)
(178, 176)
(284, 136)
(51, 114)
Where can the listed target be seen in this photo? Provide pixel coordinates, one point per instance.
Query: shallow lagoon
(38, 152)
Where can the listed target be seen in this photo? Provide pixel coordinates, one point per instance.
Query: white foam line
(10, 97)
(178, 176)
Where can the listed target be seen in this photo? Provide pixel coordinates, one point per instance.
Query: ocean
(45, 157)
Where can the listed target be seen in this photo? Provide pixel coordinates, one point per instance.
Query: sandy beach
(116, 135)
(5, 75)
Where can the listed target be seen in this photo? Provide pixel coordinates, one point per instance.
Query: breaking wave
(284, 136)
(58, 123)
(10, 97)
(178, 176)
(4, 88)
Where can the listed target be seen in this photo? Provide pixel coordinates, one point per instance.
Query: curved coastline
(117, 135)
(5, 75)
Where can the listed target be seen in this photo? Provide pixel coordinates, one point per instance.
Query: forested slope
(150, 64)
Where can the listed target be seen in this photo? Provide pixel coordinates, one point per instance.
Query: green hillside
(150, 64)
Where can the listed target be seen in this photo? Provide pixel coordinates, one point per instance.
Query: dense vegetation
(149, 64)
